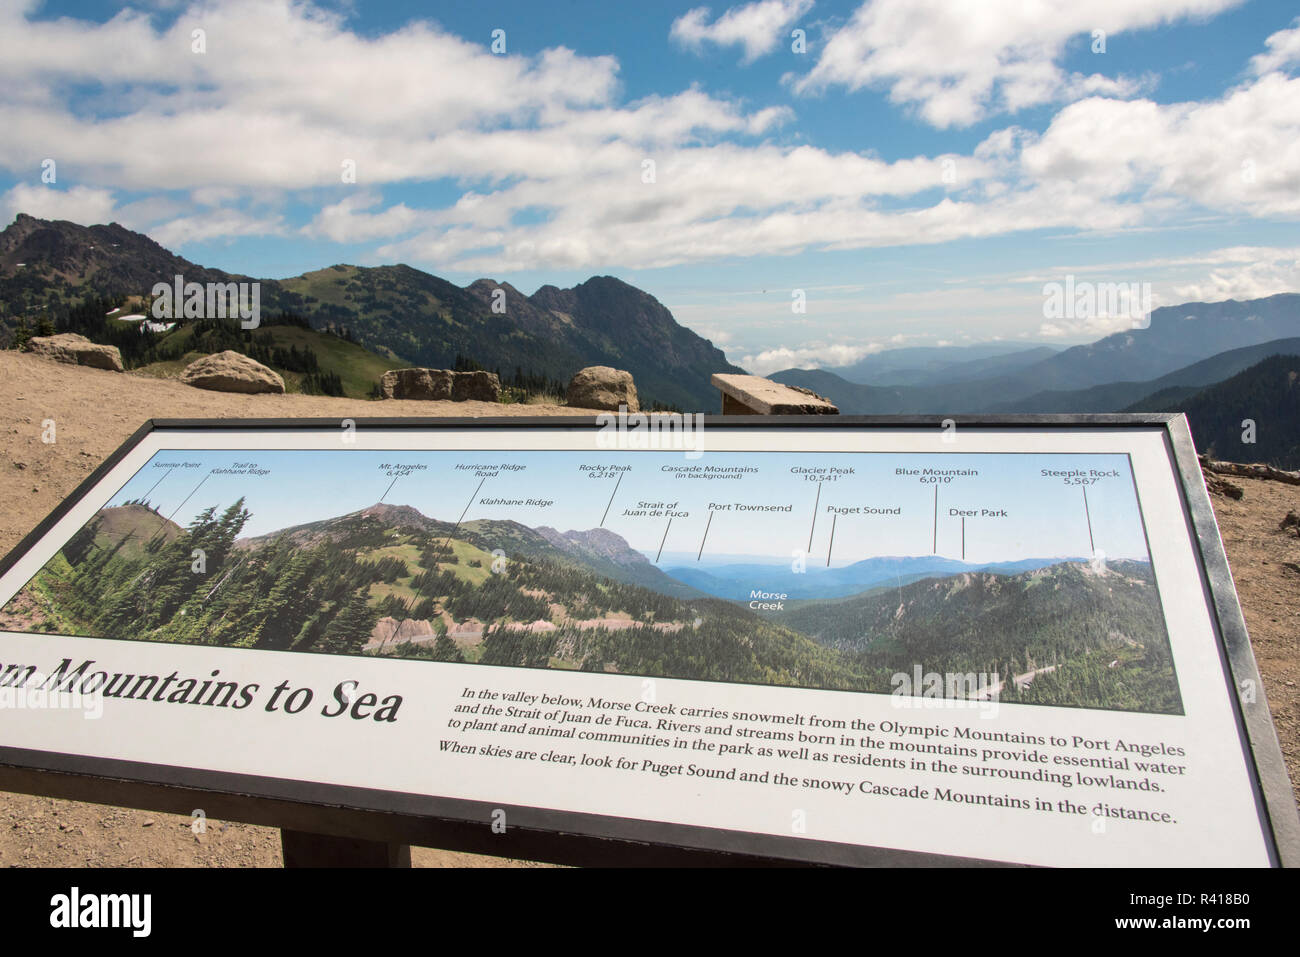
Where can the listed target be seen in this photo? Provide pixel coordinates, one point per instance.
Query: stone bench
(754, 395)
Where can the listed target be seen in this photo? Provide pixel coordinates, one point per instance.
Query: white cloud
(282, 96)
(957, 63)
(1283, 51)
(1240, 153)
(819, 356)
(549, 165)
(755, 27)
(1092, 327)
(215, 224)
(79, 204)
(1255, 274)
(347, 222)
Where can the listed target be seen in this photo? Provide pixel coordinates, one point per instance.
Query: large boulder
(77, 350)
(479, 386)
(231, 371)
(440, 384)
(600, 387)
(416, 384)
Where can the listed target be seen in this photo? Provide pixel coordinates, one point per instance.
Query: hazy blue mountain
(923, 364)
(991, 367)
(1155, 394)
(735, 582)
(1178, 337)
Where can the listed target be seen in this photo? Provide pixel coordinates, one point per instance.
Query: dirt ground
(1265, 564)
(95, 411)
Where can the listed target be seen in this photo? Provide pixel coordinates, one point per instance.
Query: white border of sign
(347, 778)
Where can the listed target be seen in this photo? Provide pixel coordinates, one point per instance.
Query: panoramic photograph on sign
(991, 565)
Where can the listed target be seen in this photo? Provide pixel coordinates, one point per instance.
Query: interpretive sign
(845, 641)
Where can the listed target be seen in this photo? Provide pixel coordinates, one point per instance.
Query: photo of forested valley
(390, 581)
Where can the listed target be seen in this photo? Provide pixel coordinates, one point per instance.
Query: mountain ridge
(394, 310)
(1168, 345)
(597, 550)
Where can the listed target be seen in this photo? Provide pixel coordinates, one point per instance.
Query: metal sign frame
(588, 839)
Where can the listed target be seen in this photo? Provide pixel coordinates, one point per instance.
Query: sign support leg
(305, 849)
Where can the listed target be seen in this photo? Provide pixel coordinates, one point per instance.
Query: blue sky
(918, 170)
(1045, 518)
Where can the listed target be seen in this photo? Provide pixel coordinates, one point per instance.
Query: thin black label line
(934, 547)
(611, 499)
(831, 546)
(163, 523)
(814, 515)
(462, 515)
(166, 472)
(662, 540)
(410, 602)
(1088, 515)
(145, 498)
(390, 488)
(702, 540)
(188, 497)
(963, 538)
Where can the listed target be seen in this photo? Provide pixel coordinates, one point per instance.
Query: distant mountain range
(1154, 395)
(1191, 345)
(736, 581)
(392, 310)
(931, 365)
(400, 315)
(608, 554)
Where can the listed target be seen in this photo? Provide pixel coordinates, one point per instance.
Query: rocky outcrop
(602, 387)
(76, 350)
(476, 386)
(1254, 470)
(417, 384)
(231, 371)
(389, 630)
(433, 384)
(1219, 486)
